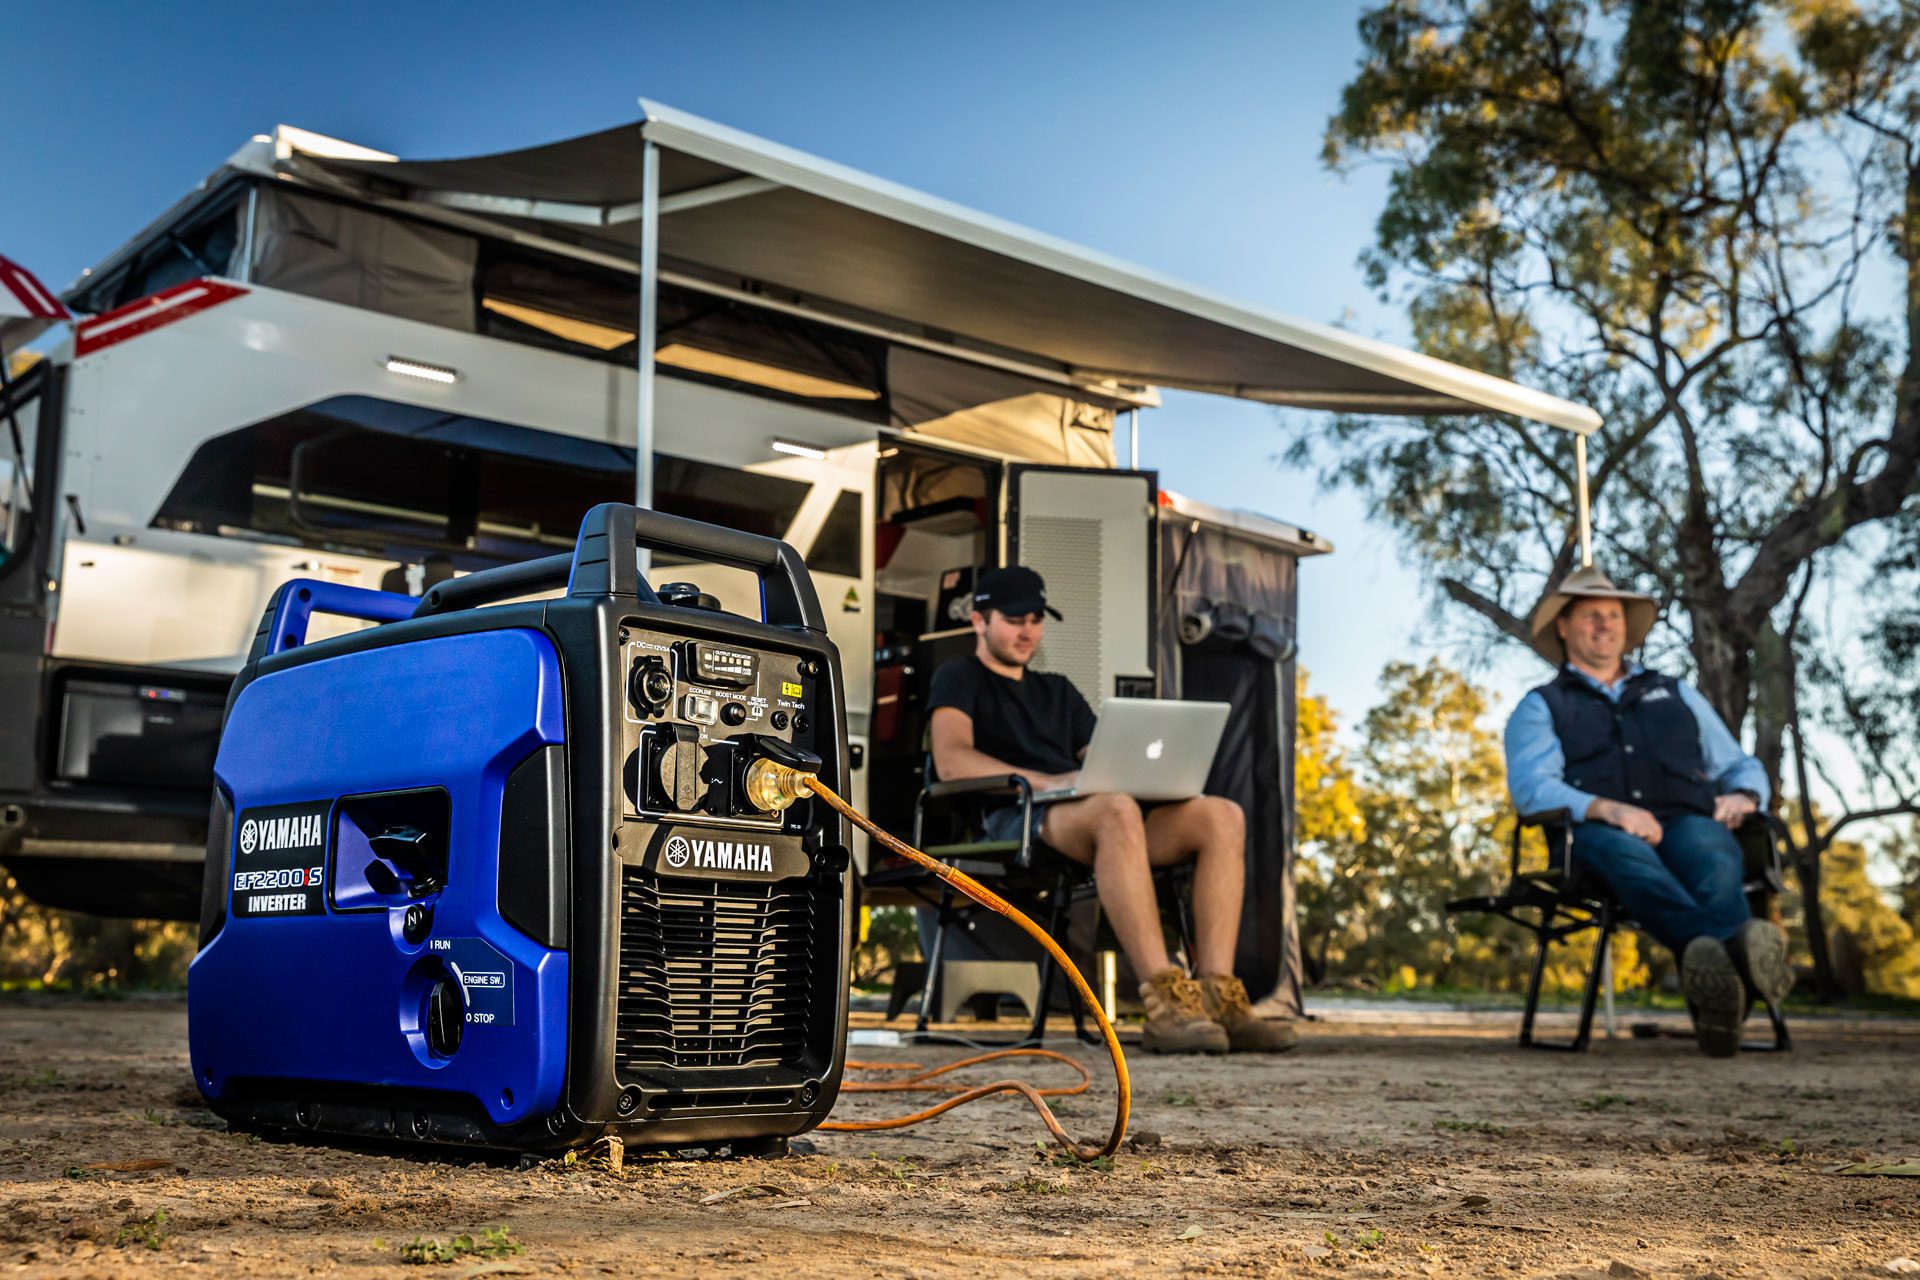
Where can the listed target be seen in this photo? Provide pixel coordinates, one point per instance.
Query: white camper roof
(740, 212)
(1248, 524)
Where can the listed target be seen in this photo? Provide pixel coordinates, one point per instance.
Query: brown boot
(1177, 1020)
(1247, 1032)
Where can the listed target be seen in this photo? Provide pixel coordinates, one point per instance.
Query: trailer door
(1090, 534)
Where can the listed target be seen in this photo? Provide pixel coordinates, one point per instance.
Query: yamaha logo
(683, 853)
(294, 831)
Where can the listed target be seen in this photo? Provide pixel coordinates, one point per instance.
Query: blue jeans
(1687, 888)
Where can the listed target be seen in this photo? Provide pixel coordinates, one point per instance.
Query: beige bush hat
(1588, 583)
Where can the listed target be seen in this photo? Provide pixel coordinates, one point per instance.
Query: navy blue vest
(1642, 750)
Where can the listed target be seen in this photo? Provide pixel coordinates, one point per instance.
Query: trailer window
(313, 480)
(205, 244)
(19, 436)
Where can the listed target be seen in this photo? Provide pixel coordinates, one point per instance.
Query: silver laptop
(1150, 749)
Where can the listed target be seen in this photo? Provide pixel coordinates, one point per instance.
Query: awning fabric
(742, 212)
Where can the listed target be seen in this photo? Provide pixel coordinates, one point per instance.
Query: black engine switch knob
(446, 1017)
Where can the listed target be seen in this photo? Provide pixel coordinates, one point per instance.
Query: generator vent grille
(713, 973)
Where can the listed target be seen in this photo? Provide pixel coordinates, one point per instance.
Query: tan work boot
(1225, 999)
(1177, 1019)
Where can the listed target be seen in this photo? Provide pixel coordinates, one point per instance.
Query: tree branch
(1461, 593)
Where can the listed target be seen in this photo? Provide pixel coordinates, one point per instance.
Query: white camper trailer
(331, 362)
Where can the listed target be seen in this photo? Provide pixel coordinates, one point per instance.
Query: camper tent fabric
(327, 249)
(1248, 589)
(986, 408)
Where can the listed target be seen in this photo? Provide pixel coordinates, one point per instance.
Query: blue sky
(1185, 138)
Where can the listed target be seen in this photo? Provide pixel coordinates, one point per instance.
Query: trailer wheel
(121, 888)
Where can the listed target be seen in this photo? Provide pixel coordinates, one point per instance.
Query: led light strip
(418, 369)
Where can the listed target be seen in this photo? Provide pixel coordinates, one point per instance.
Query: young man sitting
(993, 715)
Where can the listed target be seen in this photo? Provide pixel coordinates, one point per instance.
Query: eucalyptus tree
(1701, 217)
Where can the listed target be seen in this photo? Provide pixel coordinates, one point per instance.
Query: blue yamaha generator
(488, 874)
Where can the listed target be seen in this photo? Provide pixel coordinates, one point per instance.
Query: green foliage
(1876, 951)
(149, 1232)
(42, 948)
(1328, 809)
(1601, 1102)
(1670, 212)
(1702, 219)
(494, 1242)
(1472, 1126)
(888, 936)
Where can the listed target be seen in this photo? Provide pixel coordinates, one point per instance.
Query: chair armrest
(1010, 784)
(1761, 826)
(1546, 818)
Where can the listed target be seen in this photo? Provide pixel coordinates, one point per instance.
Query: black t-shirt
(1038, 722)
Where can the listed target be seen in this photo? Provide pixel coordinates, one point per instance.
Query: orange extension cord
(923, 1080)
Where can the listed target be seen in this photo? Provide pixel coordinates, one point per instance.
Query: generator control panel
(697, 713)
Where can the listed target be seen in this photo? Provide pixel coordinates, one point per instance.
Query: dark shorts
(1004, 823)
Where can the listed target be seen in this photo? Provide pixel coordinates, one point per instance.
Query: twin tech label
(725, 855)
(280, 860)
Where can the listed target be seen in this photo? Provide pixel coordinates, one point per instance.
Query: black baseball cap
(1015, 591)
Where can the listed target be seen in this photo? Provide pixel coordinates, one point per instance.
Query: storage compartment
(117, 732)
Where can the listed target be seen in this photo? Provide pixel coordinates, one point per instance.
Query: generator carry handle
(284, 624)
(603, 563)
(489, 586)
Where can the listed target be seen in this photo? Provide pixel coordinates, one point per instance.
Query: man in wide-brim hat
(1654, 785)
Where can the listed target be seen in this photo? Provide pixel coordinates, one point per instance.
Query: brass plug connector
(771, 786)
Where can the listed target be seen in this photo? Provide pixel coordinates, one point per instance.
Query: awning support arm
(715, 193)
(574, 214)
(645, 333)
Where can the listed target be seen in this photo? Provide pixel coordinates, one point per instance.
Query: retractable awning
(738, 212)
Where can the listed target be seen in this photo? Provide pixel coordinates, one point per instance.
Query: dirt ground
(1409, 1145)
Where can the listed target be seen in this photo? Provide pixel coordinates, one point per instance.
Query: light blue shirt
(1537, 768)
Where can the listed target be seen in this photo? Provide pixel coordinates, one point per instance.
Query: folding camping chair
(1038, 879)
(1558, 903)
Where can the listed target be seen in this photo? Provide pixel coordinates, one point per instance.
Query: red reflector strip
(151, 313)
(26, 295)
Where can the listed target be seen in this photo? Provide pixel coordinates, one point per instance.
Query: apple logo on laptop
(1155, 747)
